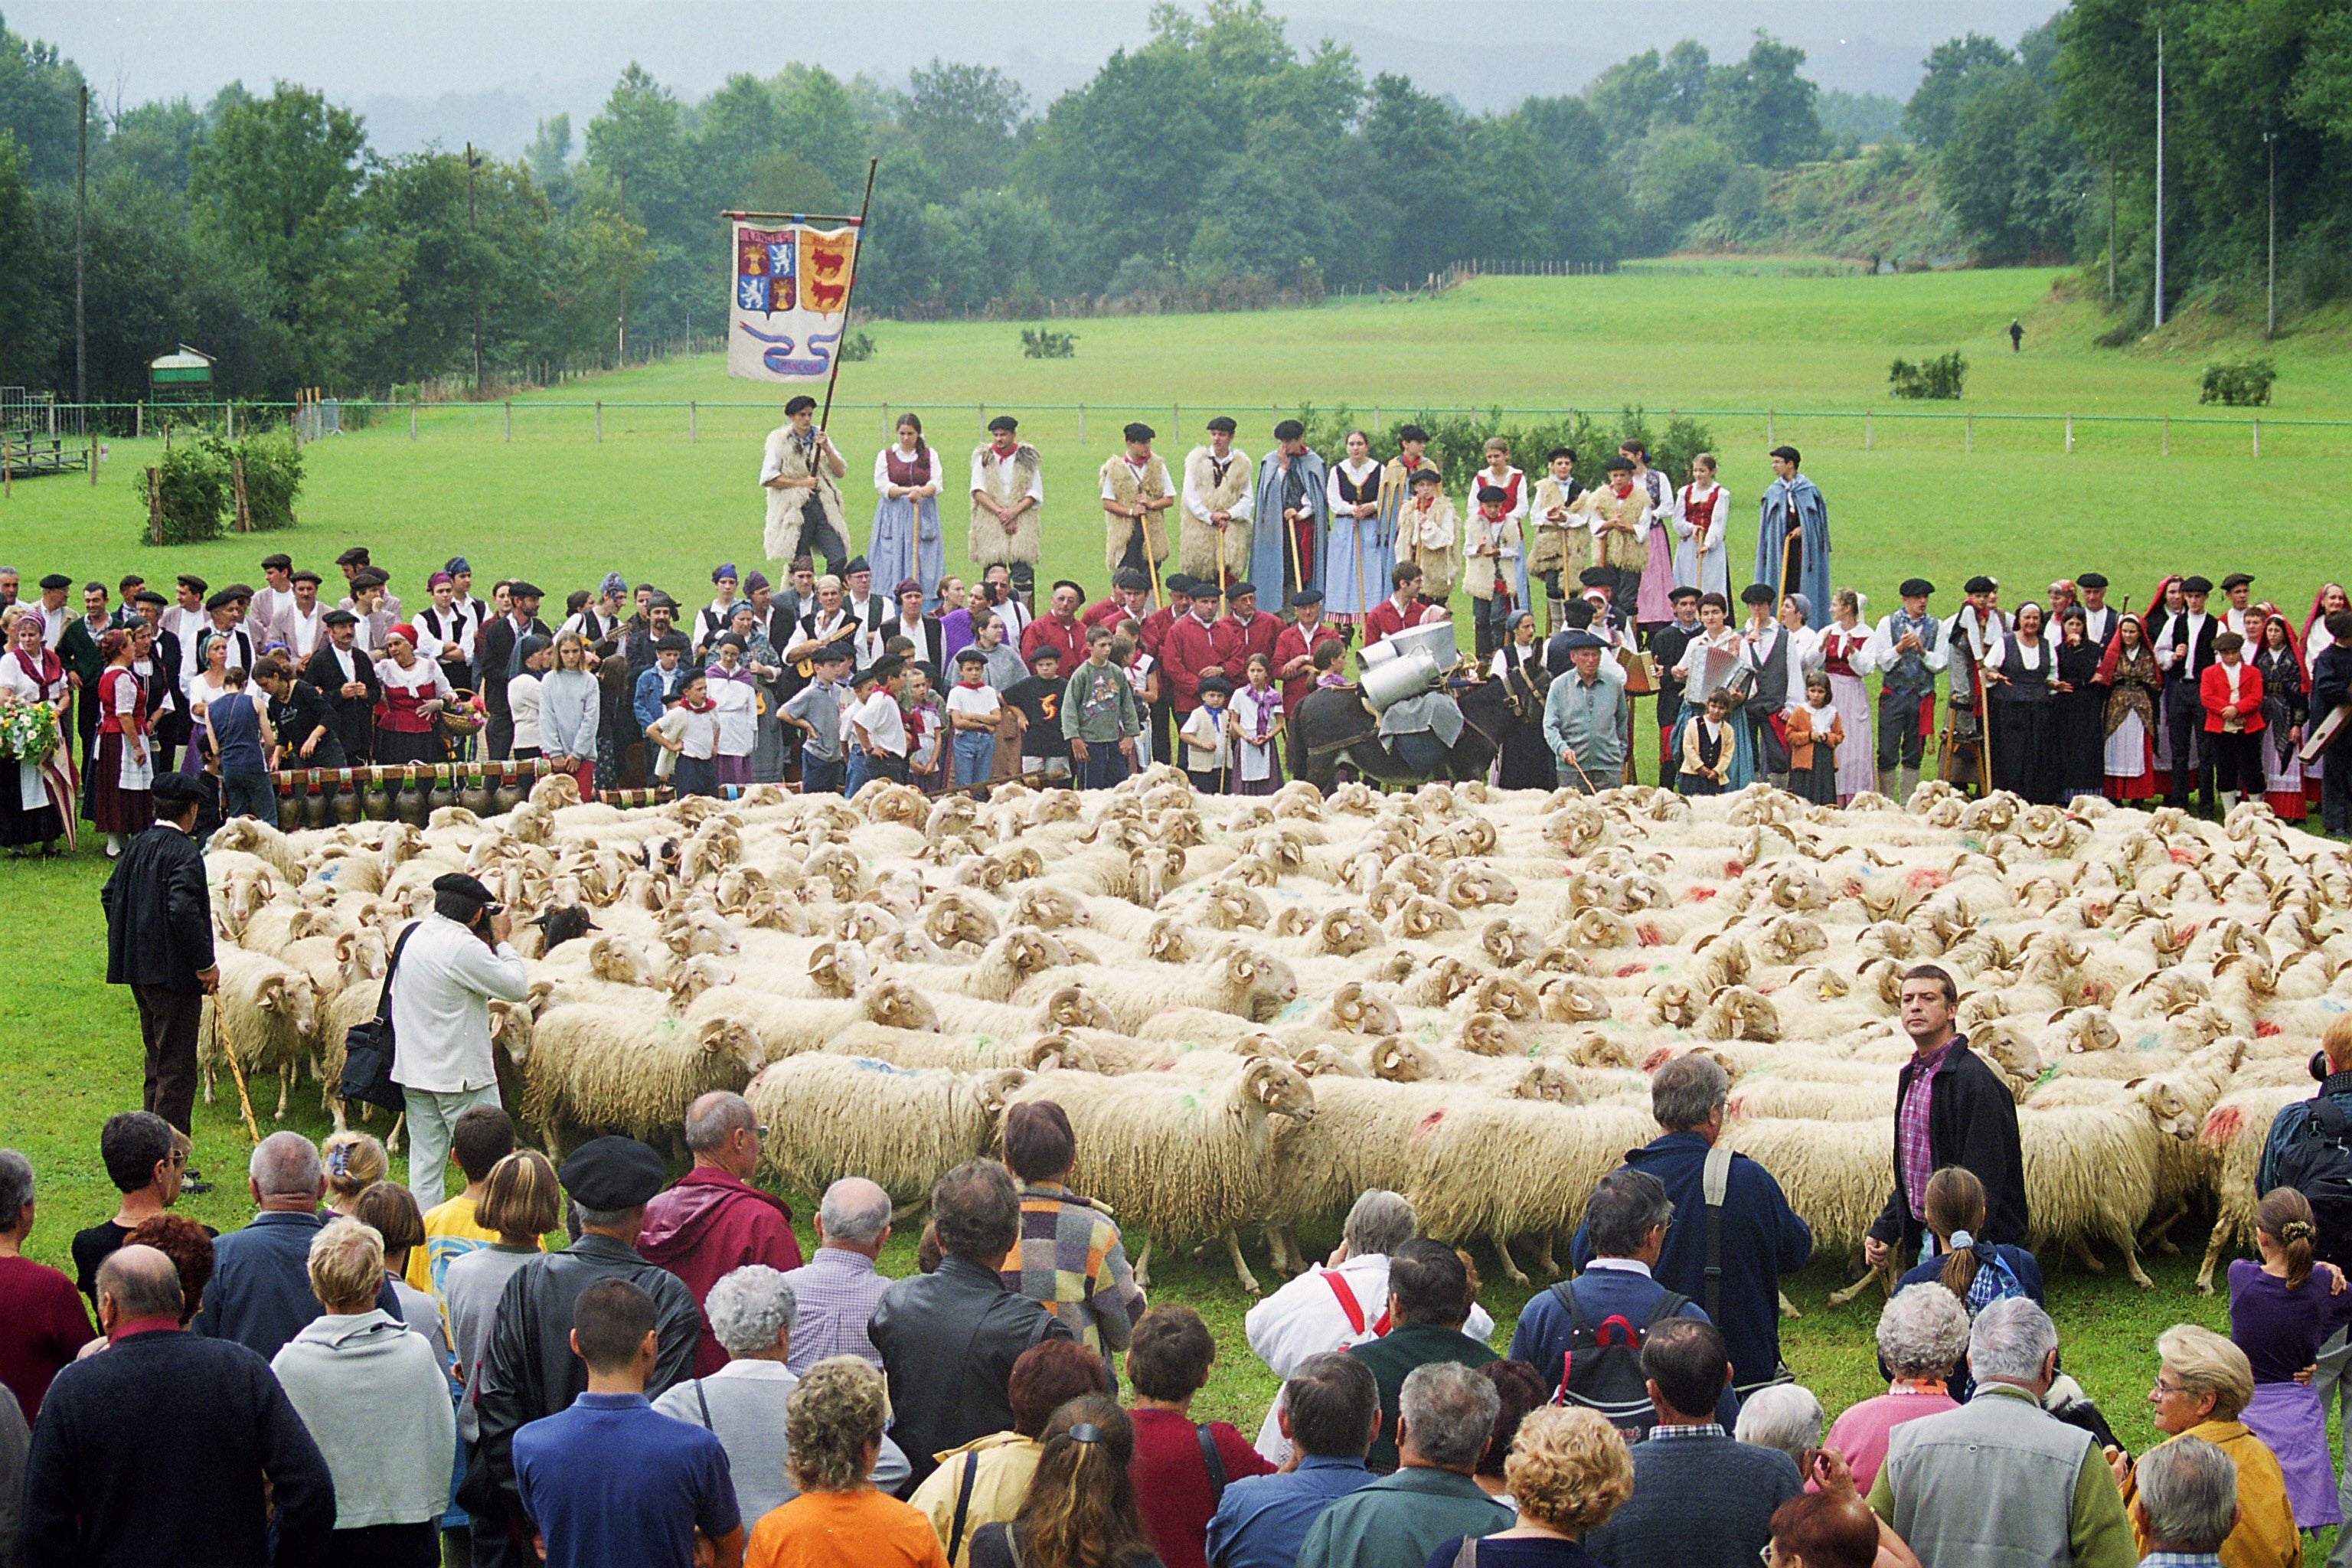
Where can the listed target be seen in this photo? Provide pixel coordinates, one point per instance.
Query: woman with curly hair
(1566, 1473)
(833, 1435)
(1080, 1510)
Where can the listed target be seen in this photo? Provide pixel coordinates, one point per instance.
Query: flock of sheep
(1253, 1010)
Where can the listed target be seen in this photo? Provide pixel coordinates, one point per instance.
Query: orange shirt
(861, 1529)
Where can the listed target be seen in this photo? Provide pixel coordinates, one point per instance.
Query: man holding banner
(802, 473)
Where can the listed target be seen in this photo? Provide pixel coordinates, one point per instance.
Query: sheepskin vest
(1548, 549)
(786, 530)
(1127, 487)
(1002, 484)
(1204, 545)
(1613, 548)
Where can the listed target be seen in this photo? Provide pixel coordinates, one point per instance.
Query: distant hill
(1882, 204)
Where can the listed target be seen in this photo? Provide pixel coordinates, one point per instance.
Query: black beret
(1684, 592)
(794, 404)
(857, 564)
(307, 576)
(1493, 495)
(57, 580)
(1757, 594)
(1411, 432)
(835, 652)
(519, 589)
(1004, 422)
(2236, 580)
(339, 619)
(1426, 475)
(1224, 422)
(2197, 584)
(1179, 583)
(1235, 589)
(1139, 431)
(219, 600)
(2091, 580)
(1077, 588)
(1980, 584)
(1289, 430)
(458, 884)
(970, 655)
(1577, 641)
(175, 789)
(1305, 597)
(189, 580)
(1598, 577)
(1916, 588)
(883, 668)
(1130, 580)
(283, 562)
(612, 1173)
(369, 577)
(356, 555)
(149, 596)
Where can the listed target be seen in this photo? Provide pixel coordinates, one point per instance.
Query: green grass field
(1738, 335)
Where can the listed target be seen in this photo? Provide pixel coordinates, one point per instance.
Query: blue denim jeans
(1105, 767)
(975, 756)
(248, 795)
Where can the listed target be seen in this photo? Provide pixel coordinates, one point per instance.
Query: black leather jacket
(948, 1340)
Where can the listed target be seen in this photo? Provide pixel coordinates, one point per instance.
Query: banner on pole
(791, 279)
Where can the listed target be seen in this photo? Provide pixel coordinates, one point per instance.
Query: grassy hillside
(1882, 203)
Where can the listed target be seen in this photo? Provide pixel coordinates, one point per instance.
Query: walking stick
(236, 1071)
(1222, 607)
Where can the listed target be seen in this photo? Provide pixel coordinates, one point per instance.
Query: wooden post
(690, 413)
(242, 513)
(510, 410)
(412, 419)
(2070, 434)
(1082, 424)
(2258, 435)
(230, 414)
(154, 509)
(1866, 430)
(600, 419)
(138, 420)
(93, 455)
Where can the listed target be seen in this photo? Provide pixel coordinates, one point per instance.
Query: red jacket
(1045, 631)
(1258, 636)
(2219, 691)
(1190, 650)
(1384, 621)
(1155, 629)
(1290, 644)
(1109, 613)
(708, 1224)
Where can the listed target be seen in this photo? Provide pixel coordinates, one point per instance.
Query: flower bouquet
(28, 730)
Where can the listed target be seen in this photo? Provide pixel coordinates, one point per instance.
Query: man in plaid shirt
(1069, 1256)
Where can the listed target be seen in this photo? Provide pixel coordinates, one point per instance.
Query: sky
(486, 70)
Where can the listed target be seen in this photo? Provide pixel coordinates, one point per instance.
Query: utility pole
(82, 204)
(2160, 176)
(474, 162)
(623, 354)
(2270, 312)
(2111, 232)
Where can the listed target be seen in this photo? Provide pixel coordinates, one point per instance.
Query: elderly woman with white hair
(751, 1312)
(376, 1401)
(1342, 1305)
(2202, 1384)
(1923, 1332)
(1783, 1415)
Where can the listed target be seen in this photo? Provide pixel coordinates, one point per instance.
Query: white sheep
(592, 1067)
(265, 1015)
(829, 1117)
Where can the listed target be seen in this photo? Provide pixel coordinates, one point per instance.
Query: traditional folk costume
(1496, 572)
(1257, 715)
(1652, 606)
(125, 771)
(1620, 525)
(2235, 741)
(1793, 509)
(1704, 745)
(1395, 496)
(1525, 760)
(1840, 647)
(803, 522)
(36, 795)
(2024, 720)
(2081, 713)
(2134, 687)
(1815, 737)
(1429, 535)
(1292, 556)
(1706, 666)
(2184, 651)
(1360, 552)
(1906, 694)
(1974, 636)
(1206, 552)
(1547, 553)
(1127, 483)
(1004, 479)
(404, 732)
(905, 541)
(1702, 521)
(2315, 641)
(2286, 707)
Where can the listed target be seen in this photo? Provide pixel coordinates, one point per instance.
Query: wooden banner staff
(864, 203)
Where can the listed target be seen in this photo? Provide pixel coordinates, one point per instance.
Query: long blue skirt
(888, 545)
(1353, 544)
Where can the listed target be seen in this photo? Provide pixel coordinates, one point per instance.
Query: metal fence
(2252, 433)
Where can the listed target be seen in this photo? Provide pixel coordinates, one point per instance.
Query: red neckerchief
(705, 706)
(1003, 454)
(1490, 512)
(49, 670)
(1621, 491)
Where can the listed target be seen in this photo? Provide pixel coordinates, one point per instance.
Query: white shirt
(986, 459)
(1196, 505)
(440, 1006)
(884, 726)
(739, 709)
(2176, 640)
(974, 701)
(300, 633)
(1356, 473)
(882, 472)
(522, 707)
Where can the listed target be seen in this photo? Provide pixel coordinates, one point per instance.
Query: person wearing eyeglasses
(712, 1220)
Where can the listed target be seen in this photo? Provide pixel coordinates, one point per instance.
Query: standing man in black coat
(159, 941)
(1950, 1108)
(494, 655)
(2331, 688)
(345, 676)
(528, 1369)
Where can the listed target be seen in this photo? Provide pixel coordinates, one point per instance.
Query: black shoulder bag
(368, 1047)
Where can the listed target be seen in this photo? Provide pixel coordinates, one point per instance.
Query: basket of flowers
(28, 730)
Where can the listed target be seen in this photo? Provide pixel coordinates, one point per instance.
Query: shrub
(1044, 343)
(2240, 384)
(273, 476)
(858, 345)
(1936, 378)
(191, 481)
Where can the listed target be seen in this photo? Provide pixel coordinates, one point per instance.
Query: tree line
(1216, 165)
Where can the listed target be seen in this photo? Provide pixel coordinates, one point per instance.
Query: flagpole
(864, 203)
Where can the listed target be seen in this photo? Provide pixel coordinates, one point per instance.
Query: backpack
(1601, 1368)
(2318, 1164)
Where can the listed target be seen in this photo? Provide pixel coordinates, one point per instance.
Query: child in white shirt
(1208, 747)
(973, 713)
(689, 733)
(877, 745)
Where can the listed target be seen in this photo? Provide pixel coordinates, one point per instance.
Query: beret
(834, 653)
(175, 789)
(1980, 584)
(612, 1174)
(1235, 589)
(1577, 641)
(857, 564)
(339, 619)
(55, 580)
(219, 600)
(519, 589)
(1426, 474)
(307, 576)
(2237, 580)
(2091, 580)
(356, 555)
(1139, 431)
(1916, 588)
(1004, 422)
(283, 562)
(1307, 596)
(1597, 577)
(1077, 588)
(2197, 584)
(1757, 594)
(1224, 422)
(1411, 432)
(1178, 583)
(459, 885)
(755, 582)
(1494, 495)
(794, 404)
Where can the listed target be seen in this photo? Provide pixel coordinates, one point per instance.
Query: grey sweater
(742, 1405)
(1697, 1502)
(378, 1407)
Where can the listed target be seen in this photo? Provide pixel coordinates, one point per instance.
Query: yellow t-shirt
(861, 1529)
(451, 1231)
